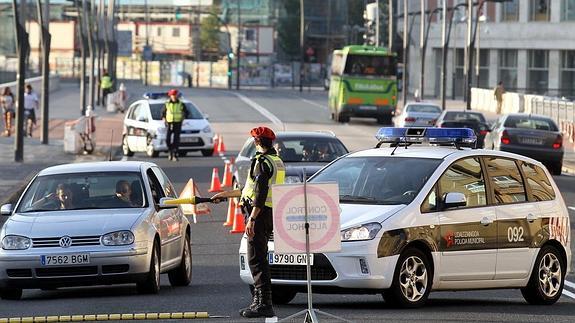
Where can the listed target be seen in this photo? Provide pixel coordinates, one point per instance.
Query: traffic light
(178, 14)
(231, 55)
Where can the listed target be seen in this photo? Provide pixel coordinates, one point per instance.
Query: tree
(288, 28)
(210, 34)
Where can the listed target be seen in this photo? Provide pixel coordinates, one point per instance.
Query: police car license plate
(291, 259)
(189, 139)
(62, 260)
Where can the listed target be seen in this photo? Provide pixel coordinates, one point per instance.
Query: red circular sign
(309, 51)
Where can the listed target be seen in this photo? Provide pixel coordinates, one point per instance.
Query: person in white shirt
(31, 101)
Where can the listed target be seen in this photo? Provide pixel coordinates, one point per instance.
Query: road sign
(323, 217)
(147, 54)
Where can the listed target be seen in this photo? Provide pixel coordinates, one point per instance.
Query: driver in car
(61, 199)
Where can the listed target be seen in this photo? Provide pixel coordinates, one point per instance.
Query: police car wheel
(546, 283)
(182, 276)
(411, 281)
(207, 152)
(282, 295)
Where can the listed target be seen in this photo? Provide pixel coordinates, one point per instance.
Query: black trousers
(258, 250)
(174, 128)
(105, 93)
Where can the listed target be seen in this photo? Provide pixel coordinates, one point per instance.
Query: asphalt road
(216, 286)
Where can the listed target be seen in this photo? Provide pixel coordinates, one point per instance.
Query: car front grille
(76, 242)
(320, 270)
(67, 271)
(198, 143)
(19, 273)
(190, 131)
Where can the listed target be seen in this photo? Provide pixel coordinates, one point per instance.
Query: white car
(145, 131)
(426, 218)
(418, 114)
(95, 224)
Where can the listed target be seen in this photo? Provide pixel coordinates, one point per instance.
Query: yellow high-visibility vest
(278, 177)
(174, 111)
(106, 82)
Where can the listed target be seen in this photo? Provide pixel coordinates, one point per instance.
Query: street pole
(82, 30)
(147, 18)
(90, 32)
(22, 48)
(44, 25)
(239, 46)
(422, 46)
(477, 58)
(301, 42)
(390, 25)
(471, 48)
(377, 24)
(405, 53)
(111, 38)
(199, 43)
(443, 52)
(468, 54)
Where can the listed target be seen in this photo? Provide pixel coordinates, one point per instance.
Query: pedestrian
(7, 104)
(266, 169)
(498, 94)
(173, 114)
(106, 84)
(31, 102)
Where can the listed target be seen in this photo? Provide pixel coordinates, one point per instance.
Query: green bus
(363, 83)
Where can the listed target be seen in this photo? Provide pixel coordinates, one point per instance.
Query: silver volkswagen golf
(94, 224)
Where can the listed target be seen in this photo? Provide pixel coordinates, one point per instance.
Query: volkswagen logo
(65, 242)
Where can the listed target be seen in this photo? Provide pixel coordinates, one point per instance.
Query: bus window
(370, 65)
(336, 64)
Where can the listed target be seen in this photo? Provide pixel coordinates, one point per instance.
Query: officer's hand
(217, 198)
(250, 228)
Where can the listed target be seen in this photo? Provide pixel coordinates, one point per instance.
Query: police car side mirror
(454, 199)
(6, 209)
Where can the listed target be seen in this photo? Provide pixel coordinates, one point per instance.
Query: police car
(417, 218)
(145, 131)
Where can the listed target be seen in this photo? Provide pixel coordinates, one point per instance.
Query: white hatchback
(145, 131)
(416, 219)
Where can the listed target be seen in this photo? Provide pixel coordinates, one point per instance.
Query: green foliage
(210, 33)
(288, 28)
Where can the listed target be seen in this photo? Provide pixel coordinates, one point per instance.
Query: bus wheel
(341, 118)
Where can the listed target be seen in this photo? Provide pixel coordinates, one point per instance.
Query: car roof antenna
(111, 139)
(396, 144)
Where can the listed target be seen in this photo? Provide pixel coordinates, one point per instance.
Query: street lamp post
(301, 43)
(444, 54)
(23, 47)
(239, 47)
(43, 24)
(424, 49)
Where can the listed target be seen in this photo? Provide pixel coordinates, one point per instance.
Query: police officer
(256, 199)
(173, 114)
(106, 84)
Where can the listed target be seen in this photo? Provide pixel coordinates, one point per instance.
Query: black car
(299, 150)
(465, 119)
(534, 136)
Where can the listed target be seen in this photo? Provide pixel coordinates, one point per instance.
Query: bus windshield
(370, 65)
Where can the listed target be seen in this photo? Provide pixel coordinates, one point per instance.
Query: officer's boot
(255, 301)
(264, 308)
(170, 154)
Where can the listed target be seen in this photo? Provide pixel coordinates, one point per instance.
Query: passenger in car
(124, 192)
(323, 153)
(61, 199)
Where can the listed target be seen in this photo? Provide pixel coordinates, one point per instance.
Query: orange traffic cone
(216, 144)
(221, 146)
(216, 186)
(227, 181)
(189, 191)
(239, 225)
(231, 212)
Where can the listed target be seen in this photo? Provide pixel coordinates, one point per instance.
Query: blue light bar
(459, 136)
(158, 95)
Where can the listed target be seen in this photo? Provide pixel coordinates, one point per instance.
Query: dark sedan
(299, 150)
(533, 136)
(465, 119)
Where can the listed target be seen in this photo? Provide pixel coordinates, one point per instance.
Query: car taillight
(410, 119)
(505, 138)
(483, 132)
(558, 142)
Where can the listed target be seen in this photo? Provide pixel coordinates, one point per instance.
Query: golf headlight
(292, 179)
(364, 232)
(118, 238)
(207, 129)
(16, 243)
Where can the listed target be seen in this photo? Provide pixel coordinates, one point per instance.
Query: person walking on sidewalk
(266, 169)
(106, 84)
(498, 94)
(31, 101)
(7, 104)
(173, 114)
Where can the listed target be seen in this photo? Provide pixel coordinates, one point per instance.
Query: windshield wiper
(39, 210)
(353, 198)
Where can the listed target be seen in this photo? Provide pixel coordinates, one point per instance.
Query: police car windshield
(378, 180)
(156, 110)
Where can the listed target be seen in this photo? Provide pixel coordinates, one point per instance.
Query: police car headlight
(207, 129)
(16, 243)
(292, 179)
(118, 238)
(364, 232)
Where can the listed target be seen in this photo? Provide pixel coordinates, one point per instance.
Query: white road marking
(275, 120)
(568, 294)
(570, 284)
(314, 103)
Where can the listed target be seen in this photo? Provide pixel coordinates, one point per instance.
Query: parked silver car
(94, 224)
(422, 114)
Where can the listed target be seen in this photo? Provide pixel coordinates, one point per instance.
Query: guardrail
(560, 110)
(36, 83)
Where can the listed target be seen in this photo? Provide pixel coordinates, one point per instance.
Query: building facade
(529, 45)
